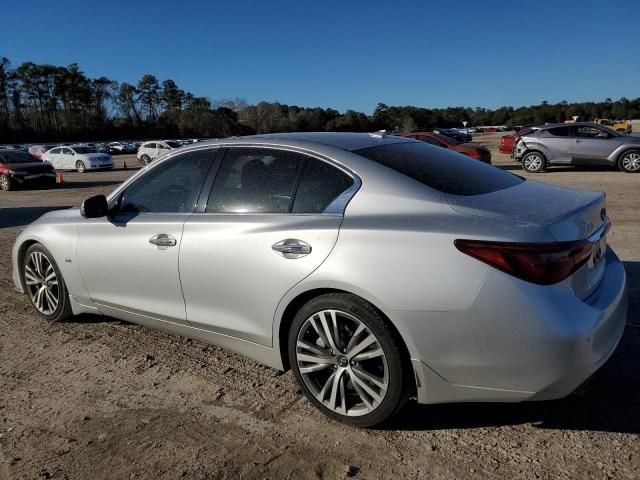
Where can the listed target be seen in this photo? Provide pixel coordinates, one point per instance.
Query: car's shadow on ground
(20, 216)
(608, 402)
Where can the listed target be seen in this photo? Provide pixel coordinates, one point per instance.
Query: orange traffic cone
(59, 177)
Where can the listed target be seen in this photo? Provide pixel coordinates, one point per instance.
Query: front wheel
(5, 183)
(348, 361)
(80, 166)
(44, 284)
(145, 159)
(630, 161)
(534, 162)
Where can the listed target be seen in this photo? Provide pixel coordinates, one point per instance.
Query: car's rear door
(271, 219)
(558, 144)
(129, 260)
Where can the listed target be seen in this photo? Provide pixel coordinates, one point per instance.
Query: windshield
(441, 169)
(85, 150)
(173, 144)
(16, 156)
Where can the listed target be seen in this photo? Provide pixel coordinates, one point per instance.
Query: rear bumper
(535, 343)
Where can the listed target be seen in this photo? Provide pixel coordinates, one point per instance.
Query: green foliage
(40, 102)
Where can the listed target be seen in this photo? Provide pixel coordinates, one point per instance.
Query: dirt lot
(98, 398)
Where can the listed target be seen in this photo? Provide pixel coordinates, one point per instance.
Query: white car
(149, 151)
(80, 159)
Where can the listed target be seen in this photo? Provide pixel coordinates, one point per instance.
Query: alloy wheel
(5, 183)
(342, 363)
(631, 162)
(533, 162)
(42, 283)
(80, 167)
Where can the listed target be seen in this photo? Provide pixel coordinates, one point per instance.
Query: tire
(5, 183)
(534, 162)
(39, 272)
(80, 167)
(145, 159)
(372, 383)
(629, 161)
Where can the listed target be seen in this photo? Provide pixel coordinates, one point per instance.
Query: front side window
(172, 186)
(320, 185)
(255, 180)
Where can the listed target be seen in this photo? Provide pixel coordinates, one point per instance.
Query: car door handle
(578, 140)
(292, 248)
(163, 240)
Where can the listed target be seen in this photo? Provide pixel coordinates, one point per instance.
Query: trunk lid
(566, 213)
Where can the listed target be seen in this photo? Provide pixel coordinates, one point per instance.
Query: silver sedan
(377, 268)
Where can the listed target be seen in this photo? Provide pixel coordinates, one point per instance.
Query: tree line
(44, 103)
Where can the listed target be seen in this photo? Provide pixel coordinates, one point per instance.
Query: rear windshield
(85, 150)
(17, 156)
(441, 169)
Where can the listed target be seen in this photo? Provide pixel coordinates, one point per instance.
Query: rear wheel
(80, 166)
(5, 183)
(629, 161)
(145, 159)
(534, 162)
(347, 360)
(44, 284)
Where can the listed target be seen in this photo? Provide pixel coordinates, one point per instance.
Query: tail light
(541, 263)
(474, 154)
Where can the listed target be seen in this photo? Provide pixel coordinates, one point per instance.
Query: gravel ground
(95, 397)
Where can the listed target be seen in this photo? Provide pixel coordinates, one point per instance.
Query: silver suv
(577, 144)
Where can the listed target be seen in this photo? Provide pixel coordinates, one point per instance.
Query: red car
(18, 169)
(474, 150)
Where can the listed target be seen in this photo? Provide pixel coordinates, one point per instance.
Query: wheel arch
(22, 251)
(294, 305)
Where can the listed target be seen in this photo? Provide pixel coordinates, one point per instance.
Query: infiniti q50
(377, 268)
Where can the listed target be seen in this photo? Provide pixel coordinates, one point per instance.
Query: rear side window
(441, 169)
(559, 131)
(320, 185)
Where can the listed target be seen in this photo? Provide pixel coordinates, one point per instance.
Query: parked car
(582, 143)
(374, 266)
(19, 169)
(80, 159)
(617, 125)
(474, 150)
(38, 150)
(115, 148)
(149, 151)
(454, 133)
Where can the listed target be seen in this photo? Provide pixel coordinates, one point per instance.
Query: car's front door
(271, 219)
(593, 145)
(54, 158)
(129, 260)
(68, 159)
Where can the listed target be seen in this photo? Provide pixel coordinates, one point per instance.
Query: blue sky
(344, 54)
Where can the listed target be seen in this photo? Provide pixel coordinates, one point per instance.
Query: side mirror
(94, 207)
(602, 135)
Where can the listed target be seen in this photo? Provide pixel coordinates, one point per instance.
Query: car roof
(342, 140)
